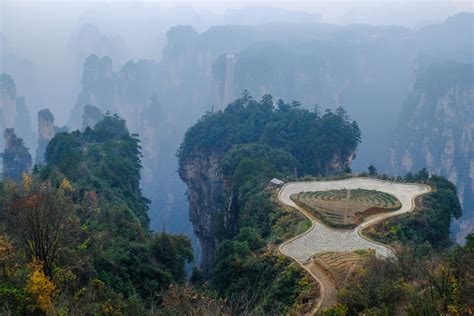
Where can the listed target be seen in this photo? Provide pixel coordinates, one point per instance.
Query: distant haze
(42, 31)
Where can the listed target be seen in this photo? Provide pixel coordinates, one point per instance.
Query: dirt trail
(321, 238)
(328, 298)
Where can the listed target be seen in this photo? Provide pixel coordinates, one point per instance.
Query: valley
(236, 158)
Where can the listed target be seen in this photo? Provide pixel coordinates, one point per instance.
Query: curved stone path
(321, 238)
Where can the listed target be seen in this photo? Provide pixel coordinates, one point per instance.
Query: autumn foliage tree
(41, 220)
(40, 287)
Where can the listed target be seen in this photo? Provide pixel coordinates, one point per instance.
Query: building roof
(276, 181)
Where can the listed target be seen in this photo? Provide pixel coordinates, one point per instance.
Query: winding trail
(321, 238)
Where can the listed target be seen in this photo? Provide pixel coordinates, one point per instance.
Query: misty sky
(42, 31)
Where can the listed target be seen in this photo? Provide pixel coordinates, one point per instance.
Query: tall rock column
(45, 133)
(205, 191)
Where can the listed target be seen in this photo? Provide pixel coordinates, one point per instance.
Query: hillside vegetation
(74, 236)
(254, 142)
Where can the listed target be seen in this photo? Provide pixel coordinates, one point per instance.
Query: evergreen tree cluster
(314, 140)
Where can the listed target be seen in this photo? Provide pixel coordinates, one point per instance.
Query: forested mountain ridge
(98, 255)
(223, 148)
(227, 160)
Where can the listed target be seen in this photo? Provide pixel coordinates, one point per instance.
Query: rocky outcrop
(91, 116)
(436, 128)
(16, 158)
(136, 85)
(46, 132)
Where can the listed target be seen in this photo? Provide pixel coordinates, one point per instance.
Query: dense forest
(74, 235)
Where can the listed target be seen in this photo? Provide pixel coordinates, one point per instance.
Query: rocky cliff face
(436, 129)
(16, 158)
(206, 188)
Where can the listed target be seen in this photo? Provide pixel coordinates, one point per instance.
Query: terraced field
(339, 264)
(346, 208)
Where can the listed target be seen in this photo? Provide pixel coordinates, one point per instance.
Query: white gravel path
(320, 238)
